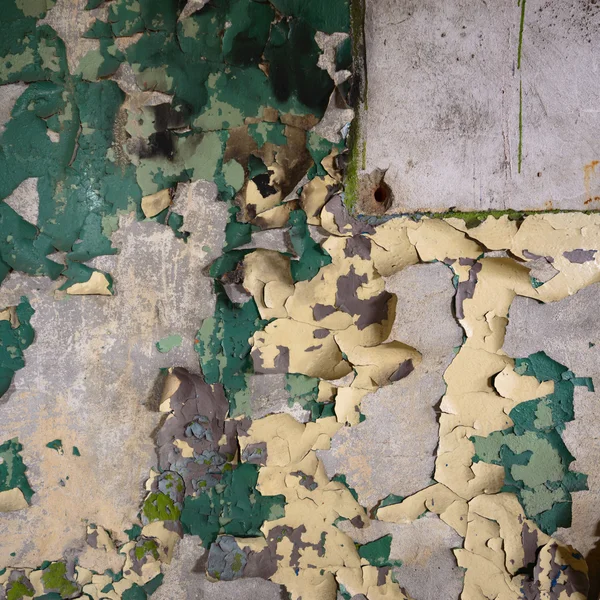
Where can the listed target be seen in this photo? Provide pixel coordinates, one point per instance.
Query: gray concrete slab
(447, 99)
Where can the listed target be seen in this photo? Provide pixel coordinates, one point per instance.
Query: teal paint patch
(56, 445)
(12, 469)
(329, 17)
(224, 350)
(343, 55)
(76, 451)
(78, 185)
(134, 532)
(29, 53)
(304, 391)
(168, 343)
(236, 232)
(377, 552)
(272, 133)
(13, 341)
(389, 500)
(78, 273)
(311, 256)
(318, 148)
(535, 458)
(233, 507)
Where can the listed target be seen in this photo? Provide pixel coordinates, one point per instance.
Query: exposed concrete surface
(564, 331)
(269, 396)
(25, 200)
(392, 451)
(444, 95)
(425, 549)
(185, 579)
(70, 20)
(8, 96)
(91, 379)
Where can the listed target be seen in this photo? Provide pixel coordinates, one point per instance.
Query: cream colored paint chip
(156, 203)
(97, 285)
(12, 500)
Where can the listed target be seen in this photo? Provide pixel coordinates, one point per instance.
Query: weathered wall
(471, 106)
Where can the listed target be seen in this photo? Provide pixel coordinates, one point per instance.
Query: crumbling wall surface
(229, 367)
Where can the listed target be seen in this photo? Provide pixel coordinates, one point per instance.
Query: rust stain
(589, 171)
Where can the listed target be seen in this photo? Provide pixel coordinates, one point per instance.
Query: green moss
(55, 579)
(146, 547)
(160, 507)
(19, 589)
(351, 181)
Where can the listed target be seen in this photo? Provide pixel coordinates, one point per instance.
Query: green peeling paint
(233, 507)
(74, 134)
(319, 148)
(55, 445)
(13, 342)
(12, 469)
(222, 343)
(377, 552)
(389, 500)
(535, 458)
(304, 391)
(311, 256)
(168, 343)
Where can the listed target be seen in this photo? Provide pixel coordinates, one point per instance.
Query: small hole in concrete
(381, 195)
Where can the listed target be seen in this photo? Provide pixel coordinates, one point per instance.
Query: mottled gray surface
(269, 396)
(91, 378)
(564, 331)
(392, 451)
(425, 549)
(185, 580)
(8, 96)
(443, 103)
(70, 20)
(25, 200)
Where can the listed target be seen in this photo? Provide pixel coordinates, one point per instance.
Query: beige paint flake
(156, 203)
(97, 284)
